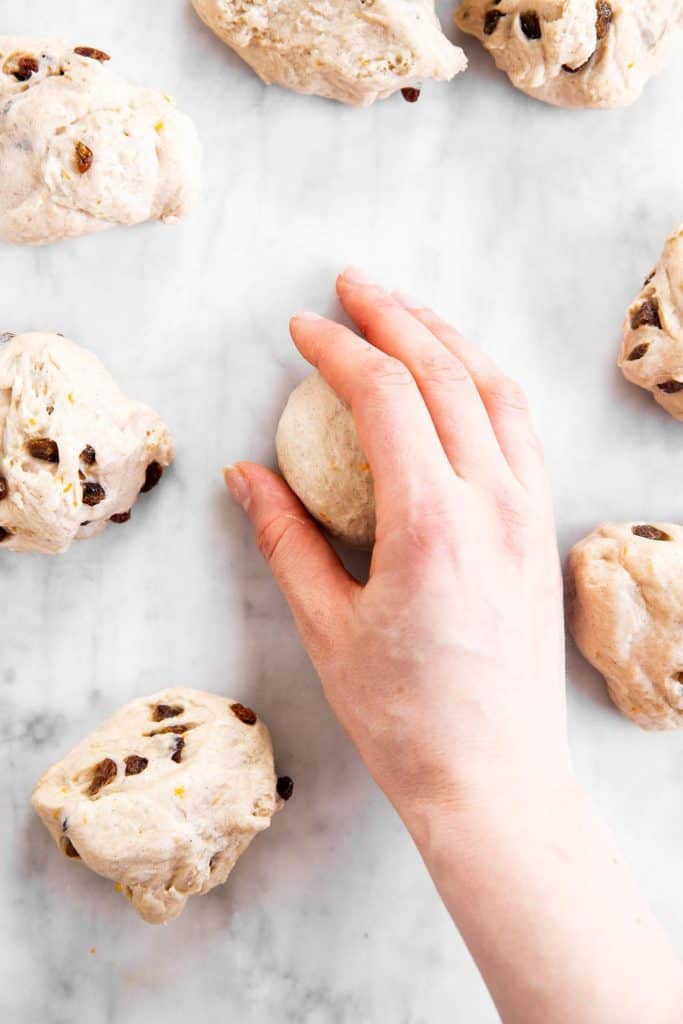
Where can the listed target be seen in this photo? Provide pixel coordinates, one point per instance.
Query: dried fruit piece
(671, 387)
(92, 53)
(70, 850)
(43, 448)
(162, 711)
(102, 774)
(285, 787)
(410, 95)
(88, 455)
(4, 534)
(604, 18)
(135, 764)
(120, 517)
(649, 277)
(491, 19)
(93, 494)
(177, 729)
(4, 489)
(244, 714)
(531, 26)
(638, 352)
(650, 532)
(646, 315)
(153, 475)
(22, 67)
(178, 746)
(84, 157)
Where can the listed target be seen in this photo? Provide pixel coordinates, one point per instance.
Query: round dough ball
(576, 53)
(74, 451)
(164, 797)
(322, 461)
(81, 149)
(652, 350)
(625, 608)
(356, 51)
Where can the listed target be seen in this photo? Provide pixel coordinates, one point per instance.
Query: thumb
(318, 589)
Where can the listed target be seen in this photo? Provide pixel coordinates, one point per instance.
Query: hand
(446, 669)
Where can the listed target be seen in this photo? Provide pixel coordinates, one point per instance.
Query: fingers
(505, 402)
(408, 463)
(455, 405)
(318, 589)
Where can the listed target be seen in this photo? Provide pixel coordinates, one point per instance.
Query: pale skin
(447, 668)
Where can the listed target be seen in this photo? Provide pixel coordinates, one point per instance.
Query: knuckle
(443, 370)
(506, 395)
(386, 372)
(274, 535)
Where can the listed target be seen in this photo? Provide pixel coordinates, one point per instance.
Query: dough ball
(81, 149)
(576, 53)
(625, 608)
(164, 797)
(652, 350)
(356, 51)
(322, 461)
(74, 451)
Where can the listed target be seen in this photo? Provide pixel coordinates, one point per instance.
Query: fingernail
(406, 300)
(353, 275)
(238, 485)
(307, 316)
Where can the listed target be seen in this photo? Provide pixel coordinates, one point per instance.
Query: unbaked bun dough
(625, 608)
(576, 53)
(81, 149)
(356, 51)
(74, 451)
(322, 461)
(652, 350)
(164, 797)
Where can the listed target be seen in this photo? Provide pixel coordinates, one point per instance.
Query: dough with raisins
(576, 53)
(75, 453)
(625, 608)
(164, 797)
(652, 350)
(81, 149)
(356, 52)
(322, 461)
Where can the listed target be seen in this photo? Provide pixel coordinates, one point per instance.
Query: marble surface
(531, 228)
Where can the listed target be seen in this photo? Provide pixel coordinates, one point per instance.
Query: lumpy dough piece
(652, 350)
(322, 461)
(164, 797)
(81, 149)
(625, 607)
(356, 51)
(74, 451)
(576, 53)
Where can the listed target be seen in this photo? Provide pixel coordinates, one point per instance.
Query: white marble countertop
(531, 228)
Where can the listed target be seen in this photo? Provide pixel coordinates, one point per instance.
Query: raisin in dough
(322, 461)
(625, 608)
(652, 350)
(164, 797)
(74, 451)
(81, 149)
(576, 53)
(356, 51)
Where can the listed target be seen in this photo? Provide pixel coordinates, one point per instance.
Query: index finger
(407, 460)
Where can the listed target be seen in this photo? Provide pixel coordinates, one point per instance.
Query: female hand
(446, 669)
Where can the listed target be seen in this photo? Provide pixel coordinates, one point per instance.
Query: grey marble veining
(531, 228)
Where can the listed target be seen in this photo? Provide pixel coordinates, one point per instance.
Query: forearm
(549, 911)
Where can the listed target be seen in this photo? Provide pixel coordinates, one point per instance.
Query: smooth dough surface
(652, 348)
(625, 608)
(164, 797)
(74, 451)
(357, 51)
(322, 461)
(576, 53)
(81, 149)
